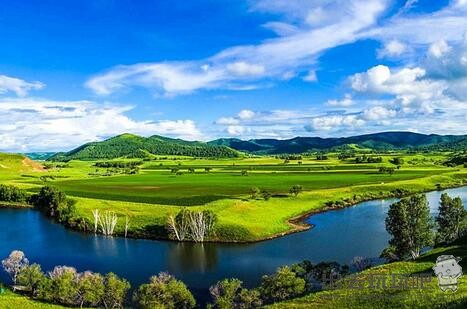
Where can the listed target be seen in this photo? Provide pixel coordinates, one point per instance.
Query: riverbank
(253, 220)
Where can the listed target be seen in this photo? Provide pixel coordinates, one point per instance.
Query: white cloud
(246, 114)
(243, 68)
(438, 49)
(379, 113)
(235, 130)
(36, 124)
(392, 48)
(293, 51)
(227, 121)
(345, 102)
(18, 86)
(311, 76)
(334, 122)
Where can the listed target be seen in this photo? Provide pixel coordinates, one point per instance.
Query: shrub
(229, 293)
(12, 194)
(164, 291)
(284, 284)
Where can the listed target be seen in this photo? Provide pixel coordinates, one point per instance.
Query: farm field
(164, 185)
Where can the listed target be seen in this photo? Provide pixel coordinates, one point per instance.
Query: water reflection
(192, 257)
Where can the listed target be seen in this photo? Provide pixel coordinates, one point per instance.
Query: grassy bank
(165, 185)
(12, 300)
(429, 297)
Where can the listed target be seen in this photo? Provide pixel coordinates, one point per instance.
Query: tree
(14, 263)
(450, 218)
(284, 284)
(361, 263)
(254, 191)
(266, 195)
(296, 190)
(410, 224)
(397, 161)
(108, 222)
(116, 290)
(53, 203)
(31, 277)
(179, 226)
(90, 289)
(164, 291)
(64, 285)
(228, 293)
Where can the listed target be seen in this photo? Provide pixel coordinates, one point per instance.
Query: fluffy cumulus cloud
(18, 86)
(306, 30)
(36, 124)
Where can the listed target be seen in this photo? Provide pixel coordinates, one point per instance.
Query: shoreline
(297, 223)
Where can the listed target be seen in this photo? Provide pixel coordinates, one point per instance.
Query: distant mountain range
(133, 146)
(377, 141)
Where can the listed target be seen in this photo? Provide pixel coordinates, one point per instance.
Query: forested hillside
(377, 141)
(133, 146)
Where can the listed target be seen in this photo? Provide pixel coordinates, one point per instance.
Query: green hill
(377, 141)
(133, 146)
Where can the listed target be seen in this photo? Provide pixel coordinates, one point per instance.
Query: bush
(229, 293)
(164, 291)
(31, 277)
(284, 284)
(12, 194)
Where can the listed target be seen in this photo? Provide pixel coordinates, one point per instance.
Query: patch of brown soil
(37, 167)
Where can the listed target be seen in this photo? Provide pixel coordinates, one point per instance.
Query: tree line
(64, 285)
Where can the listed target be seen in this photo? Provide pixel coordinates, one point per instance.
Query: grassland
(150, 196)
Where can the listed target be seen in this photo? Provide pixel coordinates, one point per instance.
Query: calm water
(337, 236)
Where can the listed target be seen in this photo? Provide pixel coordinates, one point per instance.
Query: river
(337, 236)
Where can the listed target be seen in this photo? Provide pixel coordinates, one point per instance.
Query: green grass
(10, 300)
(148, 198)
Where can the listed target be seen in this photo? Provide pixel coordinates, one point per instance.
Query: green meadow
(164, 185)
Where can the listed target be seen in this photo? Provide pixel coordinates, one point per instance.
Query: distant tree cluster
(54, 203)
(289, 157)
(386, 170)
(12, 194)
(345, 155)
(397, 161)
(368, 159)
(459, 159)
(322, 157)
(118, 164)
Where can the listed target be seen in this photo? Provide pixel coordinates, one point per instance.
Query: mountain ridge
(377, 141)
(134, 146)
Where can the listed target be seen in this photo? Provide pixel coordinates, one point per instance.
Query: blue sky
(79, 71)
